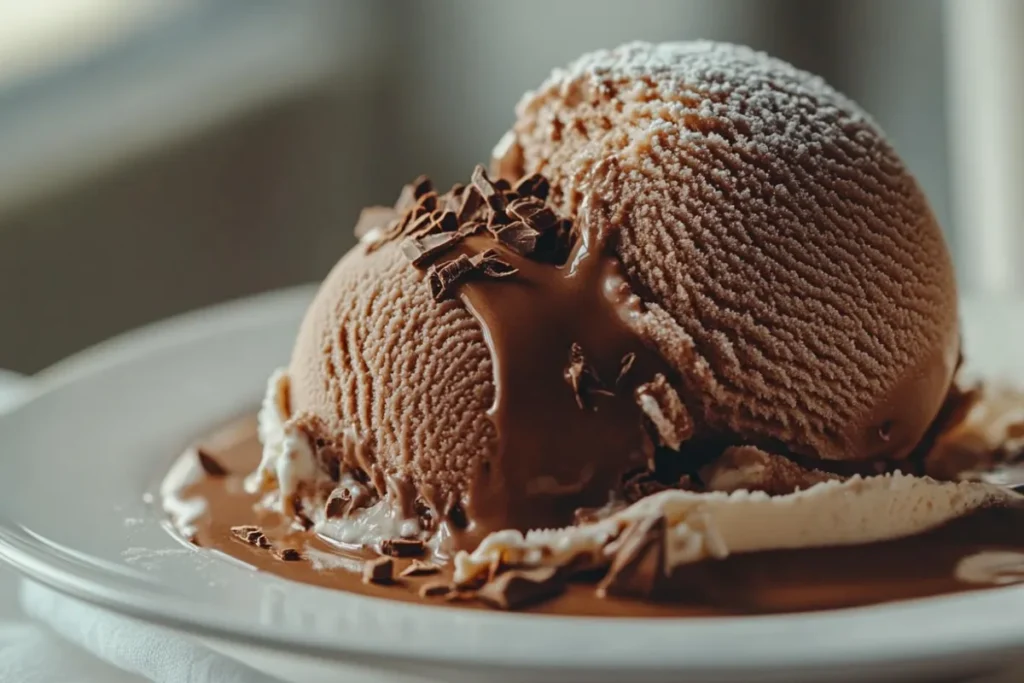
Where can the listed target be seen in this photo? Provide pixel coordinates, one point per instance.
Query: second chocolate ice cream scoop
(791, 270)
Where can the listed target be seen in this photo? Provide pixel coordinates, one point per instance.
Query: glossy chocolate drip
(985, 549)
(554, 455)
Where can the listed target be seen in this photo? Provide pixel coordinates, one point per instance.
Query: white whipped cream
(288, 459)
(714, 525)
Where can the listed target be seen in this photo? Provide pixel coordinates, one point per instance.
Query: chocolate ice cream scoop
(471, 364)
(792, 272)
(720, 251)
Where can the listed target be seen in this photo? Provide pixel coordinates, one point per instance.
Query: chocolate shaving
(472, 201)
(210, 464)
(420, 568)
(338, 505)
(519, 237)
(492, 265)
(519, 588)
(442, 279)
(494, 197)
(666, 411)
(420, 250)
(373, 218)
(534, 185)
(412, 192)
(447, 222)
(534, 213)
(380, 571)
(625, 366)
(460, 594)
(401, 547)
(583, 379)
(453, 198)
(436, 589)
(286, 554)
(639, 556)
(555, 243)
(253, 535)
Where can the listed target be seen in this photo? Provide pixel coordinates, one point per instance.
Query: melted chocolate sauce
(986, 548)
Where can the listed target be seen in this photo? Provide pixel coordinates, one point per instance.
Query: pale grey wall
(269, 198)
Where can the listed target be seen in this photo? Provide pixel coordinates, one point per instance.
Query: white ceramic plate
(78, 458)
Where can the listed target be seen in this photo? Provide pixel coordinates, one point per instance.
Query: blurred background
(159, 155)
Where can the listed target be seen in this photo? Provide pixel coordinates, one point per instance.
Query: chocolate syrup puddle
(985, 549)
(553, 455)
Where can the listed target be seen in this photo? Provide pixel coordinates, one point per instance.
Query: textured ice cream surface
(701, 265)
(792, 271)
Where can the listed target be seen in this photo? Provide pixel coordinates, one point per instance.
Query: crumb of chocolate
(638, 559)
(402, 547)
(253, 535)
(666, 411)
(443, 278)
(286, 554)
(581, 377)
(457, 516)
(534, 185)
(436, 589)
(460, 594)
(194, 540)
(519, 237)
(641, 485)
(492, 265)
(521, 587)
(421, 250)
(338, 504)
(625, 366)
(472, 202)
(420, 568)
(491, 194)
(380, 571)
(210, 464)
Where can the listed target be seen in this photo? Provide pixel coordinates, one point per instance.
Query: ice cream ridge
(696, 307)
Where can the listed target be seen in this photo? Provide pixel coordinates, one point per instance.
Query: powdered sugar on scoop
(793, 273)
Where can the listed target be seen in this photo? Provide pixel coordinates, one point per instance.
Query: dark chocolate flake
(443, 278)
(519, 237)
(422, 186)
(253, 535)
(420, 568)
(338, 505)
(639, 556)
(625, 366)
(491, 194)
(472, 201)
(287, 554)
(520, 588)
(436, 589)
(447, 222)
(492, 265)
(534, 185)
(584, 381)
(421, 250)
(402, 547)
(210, 464)
(380, 571)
